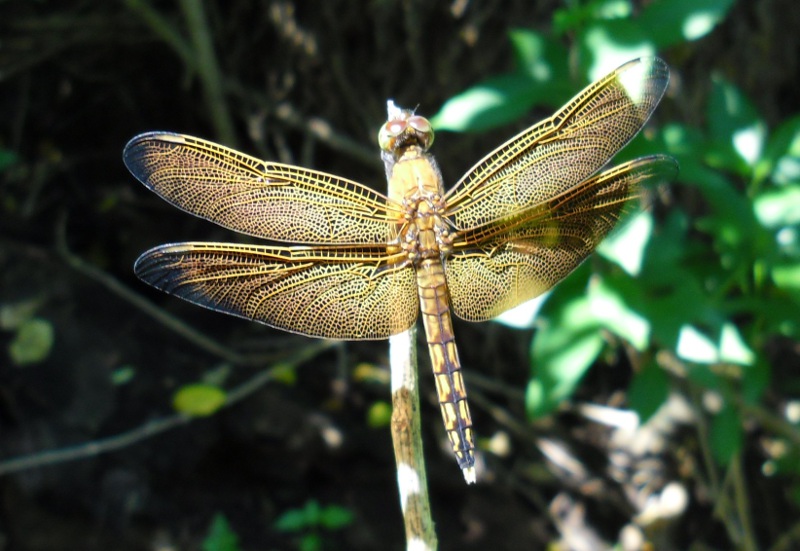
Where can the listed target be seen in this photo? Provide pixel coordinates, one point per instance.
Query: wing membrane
(500, 265)
(337, 293)
(259, 198)
(557, 153)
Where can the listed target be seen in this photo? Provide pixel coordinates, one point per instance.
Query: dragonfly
(347, 262)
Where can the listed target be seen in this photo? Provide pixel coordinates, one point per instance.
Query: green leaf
(292, 521)
(626, 245)
(284, 373)
(220, 536)
(648, 390)
(32, 342)
(334, 517)
(495, 101)
(738, 236)
(781, 158)
(670, 292)
(605, 46)
(779, 207)
(578, 14)
(732, 348)
(540, 79)
(756, 380)
(609, 308)
(524, 315)
(725, 435)
(379, 414)
(297, 520)
(787, 276)
(543, 59)
(728, 346)
(735, 127)
(563, 350)
(311, 542)
(669, 22)
(199, 400)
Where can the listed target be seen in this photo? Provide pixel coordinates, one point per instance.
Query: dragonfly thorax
(425, 233)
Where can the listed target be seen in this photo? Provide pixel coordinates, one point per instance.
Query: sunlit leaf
(694, 346)
(379, 414)
(578, 14)
(540, 79)
(779, 206)
(371, 373)
(781, 158)
(495, 101)
(608, 307)
(787, 276)
(542, 58)
(612, 43)
(626, 246)
(524, 315)
(727, 346)
(669, 22)
(732, 347)
(734, 124)
(199, 400)
(32, 342)
(563, 350)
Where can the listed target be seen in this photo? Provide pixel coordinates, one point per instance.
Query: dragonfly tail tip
(469, 475)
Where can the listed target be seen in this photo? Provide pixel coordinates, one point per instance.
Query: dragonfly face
(364, 265)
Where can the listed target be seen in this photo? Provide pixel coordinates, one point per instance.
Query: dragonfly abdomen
(435, 307)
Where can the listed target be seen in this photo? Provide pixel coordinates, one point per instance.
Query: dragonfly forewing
(555, 154)
(259, 198)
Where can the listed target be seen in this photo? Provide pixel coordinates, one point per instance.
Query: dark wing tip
(154, 267)
(137, 149)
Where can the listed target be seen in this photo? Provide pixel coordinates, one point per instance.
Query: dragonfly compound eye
(389, 133)
(423, 129)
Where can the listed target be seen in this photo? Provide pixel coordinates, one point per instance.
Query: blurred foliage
(32, 342)
(605, 36)
(309, 520)
(33, 337)
(709, 292)
(220, 536)
(199, 400)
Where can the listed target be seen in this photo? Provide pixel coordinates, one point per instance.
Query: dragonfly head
(405, 130)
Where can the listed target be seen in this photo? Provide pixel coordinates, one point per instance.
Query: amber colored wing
(559, 152)
(334, 292)
(500, 265)
(259, 198)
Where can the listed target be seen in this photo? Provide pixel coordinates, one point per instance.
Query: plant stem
(412, 480)
(208, 69)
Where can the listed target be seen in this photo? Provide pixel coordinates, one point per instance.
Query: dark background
(305, 83)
